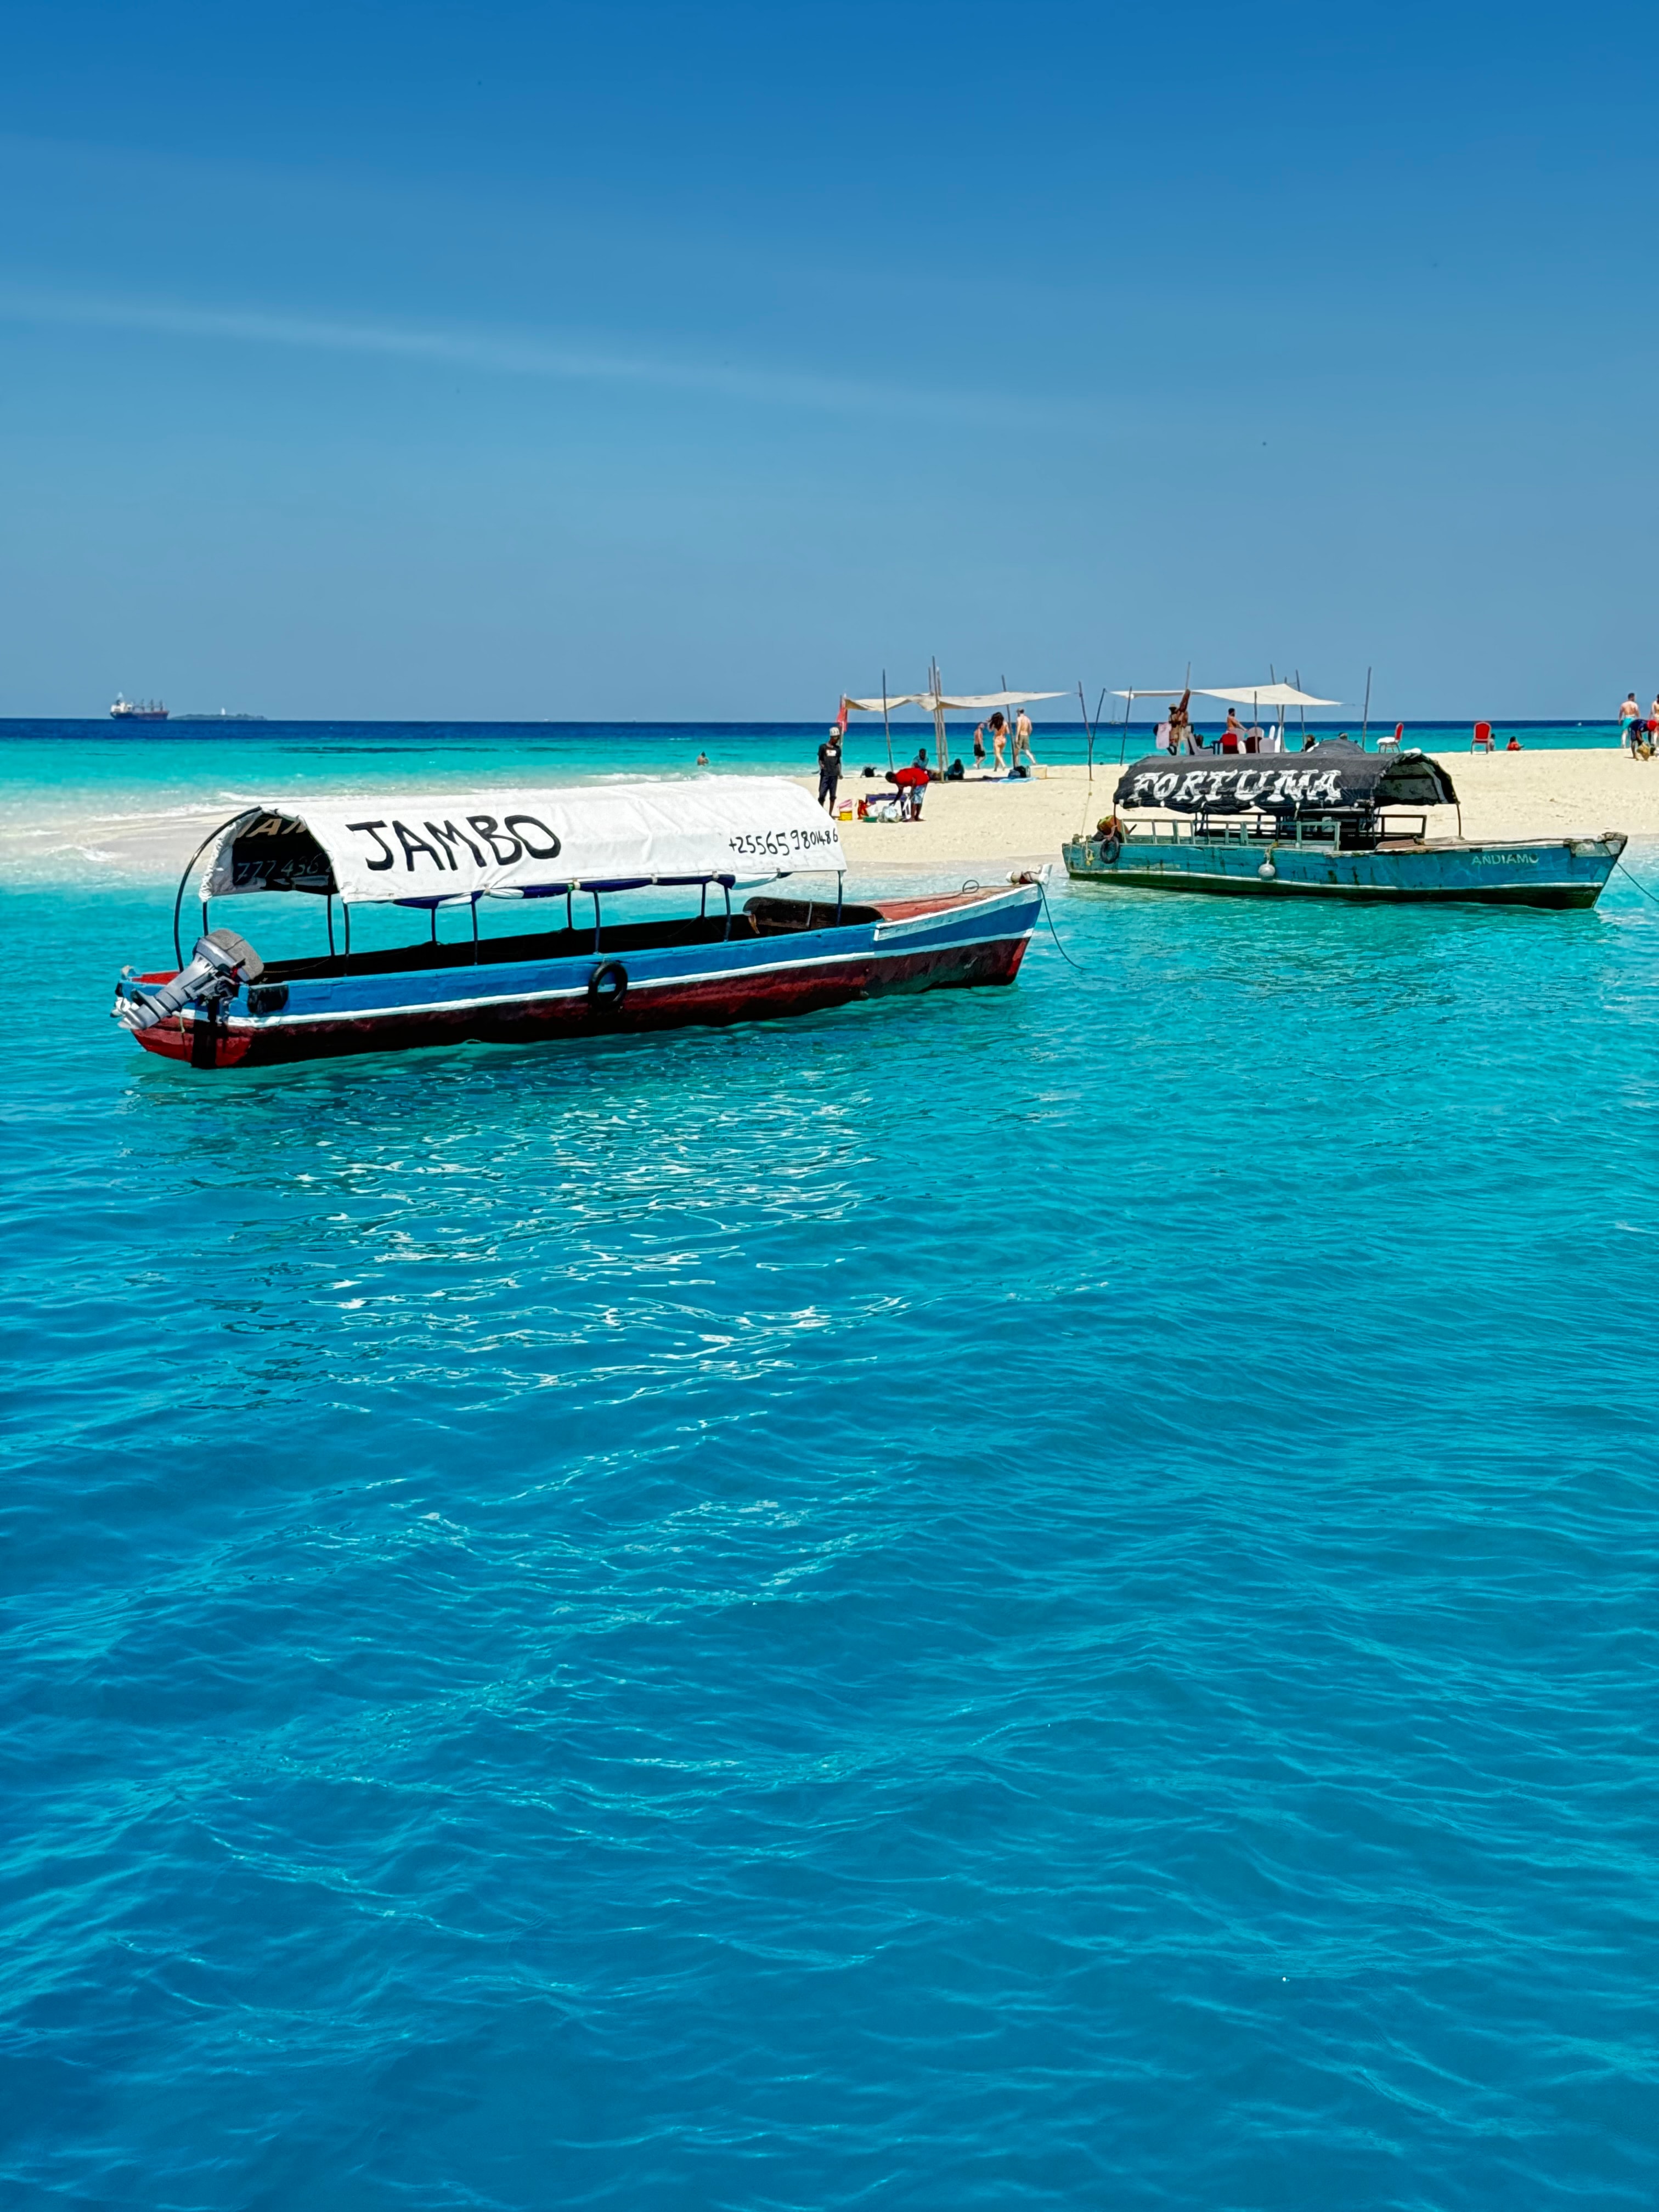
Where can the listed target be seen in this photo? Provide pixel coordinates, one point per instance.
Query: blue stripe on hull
(434, 990)
(750, 978)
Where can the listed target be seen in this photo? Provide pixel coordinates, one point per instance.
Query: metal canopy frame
(594, 890)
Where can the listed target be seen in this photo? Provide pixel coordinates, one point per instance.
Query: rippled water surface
(1022, 1598)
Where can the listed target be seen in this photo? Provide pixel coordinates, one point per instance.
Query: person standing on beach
(999, 739)
(1023, 741)
(829, 768)
(1181, 727)
(979, 746)
(1630, 717)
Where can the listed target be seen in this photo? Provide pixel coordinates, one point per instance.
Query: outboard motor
(220, 960)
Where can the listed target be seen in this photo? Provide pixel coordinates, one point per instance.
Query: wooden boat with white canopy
(592, 966)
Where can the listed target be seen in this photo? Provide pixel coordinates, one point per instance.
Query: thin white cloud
(501, 354)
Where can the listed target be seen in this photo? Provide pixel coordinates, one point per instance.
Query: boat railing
(1323, 830)
(1346, 832)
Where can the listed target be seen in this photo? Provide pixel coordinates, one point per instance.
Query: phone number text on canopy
(780, 844)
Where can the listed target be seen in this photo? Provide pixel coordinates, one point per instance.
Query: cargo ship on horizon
(134, 710)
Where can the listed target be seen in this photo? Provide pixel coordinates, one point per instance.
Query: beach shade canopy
(973, 702)
(1260, 694)
(393, 848)
(966, 704)
(1266, 695)
(1331, 777)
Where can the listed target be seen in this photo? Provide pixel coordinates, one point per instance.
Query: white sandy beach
(998, 825)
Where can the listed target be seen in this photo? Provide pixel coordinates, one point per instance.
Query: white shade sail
(469, 845)
(971, 702)
(1266, 695)
(932, 701)
(1260, 695)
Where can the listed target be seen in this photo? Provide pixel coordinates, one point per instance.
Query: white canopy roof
(461, 845)
(1261, 695)
(968, 703)
(972, 702)
(1268, 695)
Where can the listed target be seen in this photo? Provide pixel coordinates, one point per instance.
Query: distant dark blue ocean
(1024, 1598)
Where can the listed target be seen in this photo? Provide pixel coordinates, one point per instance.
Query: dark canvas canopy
(1334, 776)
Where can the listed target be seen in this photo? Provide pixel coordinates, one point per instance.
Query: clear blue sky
(510, 359)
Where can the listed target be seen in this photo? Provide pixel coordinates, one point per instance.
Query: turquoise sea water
(1024, 1598)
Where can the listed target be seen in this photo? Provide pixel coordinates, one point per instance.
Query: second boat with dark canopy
(1335, 821)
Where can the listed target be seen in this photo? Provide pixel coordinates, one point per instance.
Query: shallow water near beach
(1018, 1598)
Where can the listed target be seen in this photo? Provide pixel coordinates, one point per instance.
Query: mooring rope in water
(1042, 892)
(1637, 880)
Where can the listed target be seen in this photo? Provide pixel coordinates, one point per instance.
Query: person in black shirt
(829, 769)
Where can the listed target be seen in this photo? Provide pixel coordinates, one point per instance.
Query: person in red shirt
(912, 783)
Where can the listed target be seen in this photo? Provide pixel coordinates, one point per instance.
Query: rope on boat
(1637, 880)
(1042, 889)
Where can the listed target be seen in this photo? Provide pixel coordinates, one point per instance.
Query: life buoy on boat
(607, 986)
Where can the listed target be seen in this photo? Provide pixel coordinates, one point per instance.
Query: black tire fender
(607, 987)
(1109, 849)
